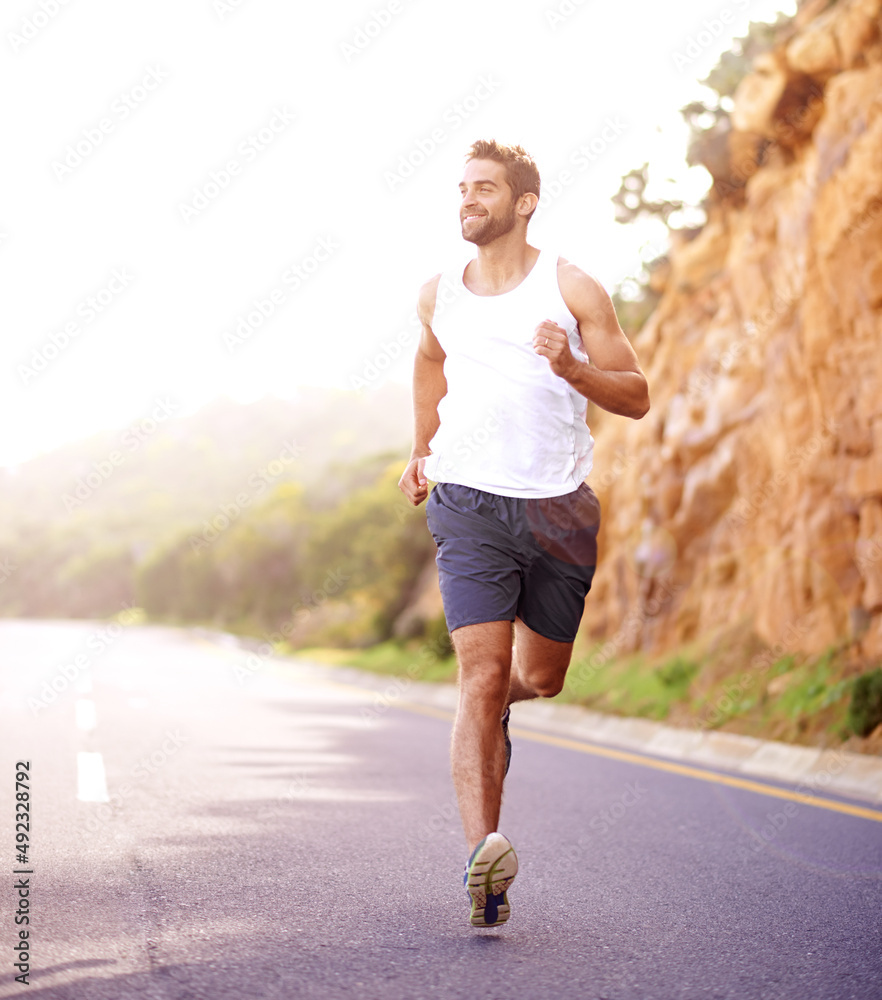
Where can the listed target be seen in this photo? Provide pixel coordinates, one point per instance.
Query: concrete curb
(812, 770)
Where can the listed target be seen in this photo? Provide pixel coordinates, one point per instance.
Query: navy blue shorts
(506, 557)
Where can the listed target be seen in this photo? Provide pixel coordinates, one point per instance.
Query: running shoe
(489, 873)
(505, 736)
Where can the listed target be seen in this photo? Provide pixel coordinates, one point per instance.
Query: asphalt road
(273, 834)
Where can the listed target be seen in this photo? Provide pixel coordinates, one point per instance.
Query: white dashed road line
(91, 777)
(85, 714)
(91, 780)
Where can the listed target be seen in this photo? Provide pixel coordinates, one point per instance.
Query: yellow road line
(686, 770)
(701, 775)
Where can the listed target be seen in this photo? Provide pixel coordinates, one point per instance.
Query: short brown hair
(521, 172)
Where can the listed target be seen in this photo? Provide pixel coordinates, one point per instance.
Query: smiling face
(488, 209)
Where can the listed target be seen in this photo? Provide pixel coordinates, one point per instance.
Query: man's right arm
(429, 388)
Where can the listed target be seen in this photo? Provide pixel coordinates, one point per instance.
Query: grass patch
(795, 699)
(730, 686)
(415, 660)
(676, 674)
(629, 685)
(813, 698)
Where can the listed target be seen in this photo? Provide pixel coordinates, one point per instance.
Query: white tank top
(509, 425)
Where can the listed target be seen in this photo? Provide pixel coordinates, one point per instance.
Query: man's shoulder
(430, 287)
(444, 287)
(428, 295)
(578, 286)
(574, 275)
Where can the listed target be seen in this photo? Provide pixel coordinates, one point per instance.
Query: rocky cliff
(749, 500)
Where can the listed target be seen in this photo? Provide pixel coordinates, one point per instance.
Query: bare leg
(477, 752)
(489, 679)
(539, 665)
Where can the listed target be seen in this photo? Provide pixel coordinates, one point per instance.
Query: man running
(501, 381)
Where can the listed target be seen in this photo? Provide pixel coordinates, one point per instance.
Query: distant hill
(186, 466)
(74, 523)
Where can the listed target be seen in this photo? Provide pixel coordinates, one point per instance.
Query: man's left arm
(612, 377)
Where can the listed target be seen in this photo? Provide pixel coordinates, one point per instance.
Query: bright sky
(173, 169)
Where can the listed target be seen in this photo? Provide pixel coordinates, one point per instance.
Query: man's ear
(527, 203)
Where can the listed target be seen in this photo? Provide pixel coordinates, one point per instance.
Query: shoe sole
(490, 874)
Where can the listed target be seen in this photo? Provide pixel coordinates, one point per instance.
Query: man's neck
(501, 265)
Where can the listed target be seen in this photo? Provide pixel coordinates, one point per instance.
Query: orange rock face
(752, 491)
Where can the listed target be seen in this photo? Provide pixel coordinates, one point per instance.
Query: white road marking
(83, 683)
(86, 716)
(91, 780)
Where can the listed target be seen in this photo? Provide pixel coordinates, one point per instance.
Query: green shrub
(865, 710)
(677, 673)
(438, 637)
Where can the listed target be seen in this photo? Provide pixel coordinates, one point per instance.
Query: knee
(548, 687)
(485, 685)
